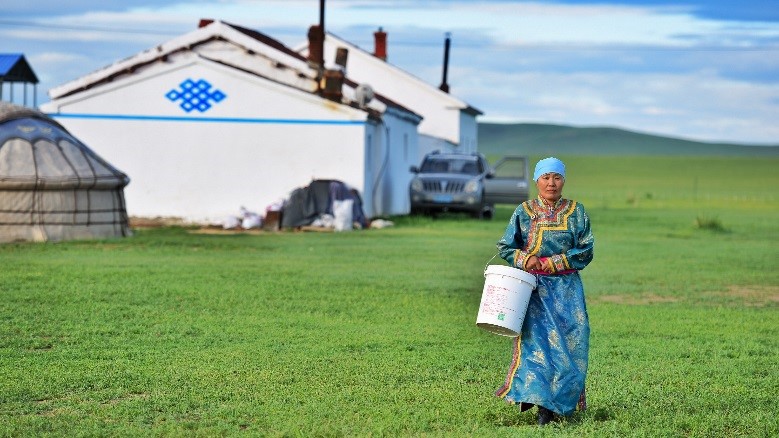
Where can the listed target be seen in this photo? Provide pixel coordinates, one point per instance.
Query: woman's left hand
(546, 264)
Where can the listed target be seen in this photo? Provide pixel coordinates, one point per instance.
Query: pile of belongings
(246, 220)
(325, 204)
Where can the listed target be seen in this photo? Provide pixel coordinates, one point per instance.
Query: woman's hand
(546, 264)
(533, 264)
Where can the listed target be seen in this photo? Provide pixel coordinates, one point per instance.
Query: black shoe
(544, 416)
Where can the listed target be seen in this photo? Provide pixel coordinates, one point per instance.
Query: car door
(508, 181)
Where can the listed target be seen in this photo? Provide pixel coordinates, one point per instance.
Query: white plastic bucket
(504, 300)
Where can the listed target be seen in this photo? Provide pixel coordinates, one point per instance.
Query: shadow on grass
(594, 414)
(529, 418)
(510, 419)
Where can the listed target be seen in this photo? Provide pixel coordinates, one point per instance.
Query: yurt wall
(52, 186)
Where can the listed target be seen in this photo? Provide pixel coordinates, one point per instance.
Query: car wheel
(485, 212)
(488, 212)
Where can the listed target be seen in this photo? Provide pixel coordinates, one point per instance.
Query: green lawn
(372, 333)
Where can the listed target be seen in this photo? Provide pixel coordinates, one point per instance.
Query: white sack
(250, 221)
(342, 210)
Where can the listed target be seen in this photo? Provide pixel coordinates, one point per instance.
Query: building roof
(14, 68)
(265, 57)
(393, 69)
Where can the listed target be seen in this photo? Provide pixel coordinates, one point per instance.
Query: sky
(694, 69)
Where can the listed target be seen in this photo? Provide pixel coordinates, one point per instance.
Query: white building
(224, 117)
(448, 123)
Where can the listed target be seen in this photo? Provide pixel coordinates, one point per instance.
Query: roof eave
(217, 30)
(440, 93)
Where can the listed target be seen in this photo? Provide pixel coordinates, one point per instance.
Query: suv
(467, 183)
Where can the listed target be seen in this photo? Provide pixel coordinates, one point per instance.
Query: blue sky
(705, 70)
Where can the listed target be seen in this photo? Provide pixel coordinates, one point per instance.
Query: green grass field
(372, 333)
(542, 138)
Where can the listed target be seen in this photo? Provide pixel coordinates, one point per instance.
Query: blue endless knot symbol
(195, 95)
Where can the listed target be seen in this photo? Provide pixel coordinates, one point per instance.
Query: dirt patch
(215, 229)
(222, 231)
(753, 295)
(156, 222)
(636, 300)
(750, 296)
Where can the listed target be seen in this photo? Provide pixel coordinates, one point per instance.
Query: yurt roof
(38, 153)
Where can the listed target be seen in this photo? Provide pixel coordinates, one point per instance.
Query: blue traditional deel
(195, 95)
(549, 363)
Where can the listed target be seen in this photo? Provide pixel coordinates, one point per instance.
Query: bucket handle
(493, 257)
(488, 262)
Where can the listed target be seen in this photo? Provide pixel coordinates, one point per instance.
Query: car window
(435, 166)
(450, 165)
(510, 169)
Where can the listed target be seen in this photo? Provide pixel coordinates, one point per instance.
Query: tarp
(306, 204)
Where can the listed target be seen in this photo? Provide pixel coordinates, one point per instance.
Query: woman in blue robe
(550, 236)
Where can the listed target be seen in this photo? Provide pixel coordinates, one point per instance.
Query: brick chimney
(315, 46)
(333, 85)
(380, 46)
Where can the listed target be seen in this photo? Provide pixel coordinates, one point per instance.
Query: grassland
(371, 333)
(539, 138)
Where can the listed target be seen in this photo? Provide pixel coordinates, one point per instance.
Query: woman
(550, 236)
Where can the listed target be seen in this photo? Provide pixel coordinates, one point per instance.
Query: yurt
(52, 186)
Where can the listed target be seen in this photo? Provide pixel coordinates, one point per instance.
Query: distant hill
(543, 139)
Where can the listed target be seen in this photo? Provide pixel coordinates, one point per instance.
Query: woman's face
(550, 186)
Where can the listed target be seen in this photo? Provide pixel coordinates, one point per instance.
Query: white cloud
(52, 58)
(79, 35)
(513, 60)
(698, 106)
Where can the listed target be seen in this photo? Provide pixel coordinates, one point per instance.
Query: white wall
(204, 172)
(469, 133)
(393, 149)
(252, 148)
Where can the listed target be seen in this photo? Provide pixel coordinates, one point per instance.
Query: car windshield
(451, 165)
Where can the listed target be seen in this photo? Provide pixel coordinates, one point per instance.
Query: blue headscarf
(549, 165)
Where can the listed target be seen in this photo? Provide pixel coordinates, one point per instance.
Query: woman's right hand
(533, 264)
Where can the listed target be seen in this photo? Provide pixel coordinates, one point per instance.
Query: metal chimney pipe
(322, 15)
(319, 49)
(444, 85)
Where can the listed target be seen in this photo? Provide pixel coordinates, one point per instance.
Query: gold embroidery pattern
(544, 220)
(515, 360)
(560, 262)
